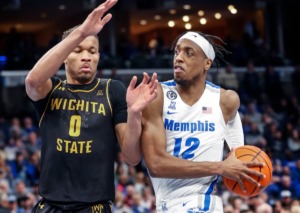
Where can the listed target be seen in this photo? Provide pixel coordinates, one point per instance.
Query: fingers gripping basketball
(251, 153)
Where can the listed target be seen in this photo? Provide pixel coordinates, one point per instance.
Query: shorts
(192, 204)
(44, 206)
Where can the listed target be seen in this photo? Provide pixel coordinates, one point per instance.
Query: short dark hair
(219, 49)
(67, 32)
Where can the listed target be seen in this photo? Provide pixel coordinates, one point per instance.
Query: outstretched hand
(238, 170)
(95, 21)
(139, 97)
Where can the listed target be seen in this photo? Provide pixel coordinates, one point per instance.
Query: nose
(85, 56)
(178, 57)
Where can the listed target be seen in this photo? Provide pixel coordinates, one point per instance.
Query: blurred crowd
(20, 51)
(271, 120)
(270, 115)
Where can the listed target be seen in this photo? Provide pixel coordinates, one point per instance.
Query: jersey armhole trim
(107, 96)
(43, 114)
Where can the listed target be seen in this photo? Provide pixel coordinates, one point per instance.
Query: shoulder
(229, 102)
(113, 81)
(116, 90)
(115, 85)
(160, 95)
(55, 80)
(155, 108)
(169, 83)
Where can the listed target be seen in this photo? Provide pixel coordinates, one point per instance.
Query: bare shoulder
(229, 102)
(155, 108)
(160, 97)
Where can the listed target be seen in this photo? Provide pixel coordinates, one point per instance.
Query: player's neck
(190, 94)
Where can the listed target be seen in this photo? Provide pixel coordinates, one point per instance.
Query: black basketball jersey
(77, 124)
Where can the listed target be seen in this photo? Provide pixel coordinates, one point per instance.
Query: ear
(208, 63)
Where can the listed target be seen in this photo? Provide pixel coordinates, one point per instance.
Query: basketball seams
(252, 153)
(267, 163)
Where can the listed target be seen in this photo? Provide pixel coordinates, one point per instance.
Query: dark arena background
(264, 68)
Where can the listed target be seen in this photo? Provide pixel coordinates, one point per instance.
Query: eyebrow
(186, 48)
(91, 47)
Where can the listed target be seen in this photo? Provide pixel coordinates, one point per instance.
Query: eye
(77, 50)
(176, 52)
(189, 53)
(92, 51)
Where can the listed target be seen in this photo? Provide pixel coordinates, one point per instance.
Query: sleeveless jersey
(194, 133)
(77, 126)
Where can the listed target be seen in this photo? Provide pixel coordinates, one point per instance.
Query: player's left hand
(139, 97)
(97, 19)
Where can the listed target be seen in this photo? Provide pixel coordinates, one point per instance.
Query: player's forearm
(49, 64)
(183, 169)
(234, 132)
(131, 147)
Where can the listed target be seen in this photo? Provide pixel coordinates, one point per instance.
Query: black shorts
(44, 206)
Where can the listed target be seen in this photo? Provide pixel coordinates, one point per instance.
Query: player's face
(81, 64)
(189, 62)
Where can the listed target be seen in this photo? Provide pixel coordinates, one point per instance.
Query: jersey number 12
(191, 143)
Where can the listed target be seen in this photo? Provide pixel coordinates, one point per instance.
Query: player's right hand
(238, 170)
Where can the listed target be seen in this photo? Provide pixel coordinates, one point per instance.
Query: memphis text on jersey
(197, 126)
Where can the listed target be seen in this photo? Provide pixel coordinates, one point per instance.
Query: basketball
(251, 153)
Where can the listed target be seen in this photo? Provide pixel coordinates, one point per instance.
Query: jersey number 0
(75, 124)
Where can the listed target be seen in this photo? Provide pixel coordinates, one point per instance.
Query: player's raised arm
(38, 82)
(137, 98)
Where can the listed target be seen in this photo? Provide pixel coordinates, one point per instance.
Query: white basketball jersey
(194, 133)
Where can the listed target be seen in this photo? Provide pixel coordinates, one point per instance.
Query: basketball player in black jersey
(81, 119)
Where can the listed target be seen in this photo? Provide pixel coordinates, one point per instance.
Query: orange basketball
(251, 153)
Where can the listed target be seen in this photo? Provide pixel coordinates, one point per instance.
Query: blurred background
(263, 68)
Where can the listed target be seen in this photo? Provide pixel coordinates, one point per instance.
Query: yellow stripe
(86, 90)
(107, 96)
(48, 103)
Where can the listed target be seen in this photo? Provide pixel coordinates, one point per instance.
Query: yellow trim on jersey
(79, 90)
(60, 82)
(107, 96)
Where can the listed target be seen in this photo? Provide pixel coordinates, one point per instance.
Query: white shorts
(192, 204)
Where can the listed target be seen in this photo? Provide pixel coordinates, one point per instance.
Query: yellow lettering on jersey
(73, 147)
(87, 105)
(79, 105)
(101, 109)
(66, 142)
(58, 144)
(72, 103)
(65, 104)
(97, 208)
(55, 103)
(88, 146)
(94, 104)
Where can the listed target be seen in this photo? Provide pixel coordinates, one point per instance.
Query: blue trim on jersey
(169, 83)
(207, 199)
(172, 83)
(212, 85)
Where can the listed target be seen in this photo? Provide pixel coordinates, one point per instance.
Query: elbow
(30, 81)
(133, 161)
(155, 168)
(153, 173)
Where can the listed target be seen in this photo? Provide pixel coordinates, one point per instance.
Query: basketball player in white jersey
(184, 130)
